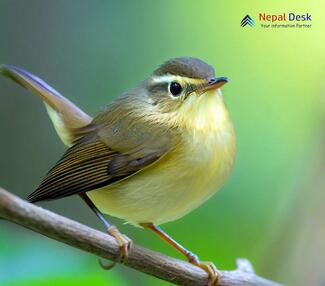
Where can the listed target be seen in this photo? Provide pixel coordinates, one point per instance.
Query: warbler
(151, 156)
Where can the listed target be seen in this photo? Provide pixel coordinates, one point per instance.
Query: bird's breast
(208, 157)
(180, 181)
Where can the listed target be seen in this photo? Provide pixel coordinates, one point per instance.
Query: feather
(66, 117)
(92, 163)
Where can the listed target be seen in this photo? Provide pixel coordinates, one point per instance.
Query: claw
(208, 267)
(108, 266)
(125, 248)
(212, 271)
(125, 245)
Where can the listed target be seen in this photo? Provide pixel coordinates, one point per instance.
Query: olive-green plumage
(153, 154)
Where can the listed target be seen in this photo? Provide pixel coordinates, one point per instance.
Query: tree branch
(85, 238)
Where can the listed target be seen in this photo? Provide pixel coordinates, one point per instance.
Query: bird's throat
(205, 113)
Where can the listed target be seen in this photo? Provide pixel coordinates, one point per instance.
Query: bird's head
(185, 88)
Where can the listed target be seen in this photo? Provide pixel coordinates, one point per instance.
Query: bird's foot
(125, 245)
(208, 267)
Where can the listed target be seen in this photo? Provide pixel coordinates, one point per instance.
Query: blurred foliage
(93, 51)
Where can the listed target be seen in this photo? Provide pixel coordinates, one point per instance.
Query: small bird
(151, 156)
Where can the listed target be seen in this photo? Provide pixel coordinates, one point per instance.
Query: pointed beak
(215, 82)
(212, 83)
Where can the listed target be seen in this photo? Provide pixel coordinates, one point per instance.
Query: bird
(151, 156)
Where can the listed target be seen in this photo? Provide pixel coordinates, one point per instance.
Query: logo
(280, 20)
(247, 20)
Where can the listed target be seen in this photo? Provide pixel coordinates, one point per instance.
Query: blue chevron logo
(247, 20)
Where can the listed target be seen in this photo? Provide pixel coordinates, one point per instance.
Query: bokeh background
(271, 211)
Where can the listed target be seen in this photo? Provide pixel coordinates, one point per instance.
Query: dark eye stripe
(190, 88)
(162, 87)
(158, 88)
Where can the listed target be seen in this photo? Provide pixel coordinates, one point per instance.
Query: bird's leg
(209, 267)
(124, 242)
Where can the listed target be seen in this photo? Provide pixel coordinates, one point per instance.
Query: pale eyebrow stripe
(165, 78)
(169, 78)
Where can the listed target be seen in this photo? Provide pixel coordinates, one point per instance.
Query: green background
(270, 211)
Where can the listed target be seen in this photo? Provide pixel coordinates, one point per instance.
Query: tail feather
(66, 117)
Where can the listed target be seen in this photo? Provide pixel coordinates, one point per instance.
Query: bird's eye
(175, 88)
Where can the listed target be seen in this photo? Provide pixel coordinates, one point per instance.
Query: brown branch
(83, 237)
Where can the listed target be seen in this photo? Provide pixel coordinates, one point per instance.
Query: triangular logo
(247, 20)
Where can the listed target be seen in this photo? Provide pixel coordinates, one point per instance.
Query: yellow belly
(178, 183)
(186, 176)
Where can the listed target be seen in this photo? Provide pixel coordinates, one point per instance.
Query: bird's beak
(214, 83)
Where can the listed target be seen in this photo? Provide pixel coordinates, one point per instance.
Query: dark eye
(175, 88)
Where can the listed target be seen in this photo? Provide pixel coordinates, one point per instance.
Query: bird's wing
(91, 164)
(67, 118)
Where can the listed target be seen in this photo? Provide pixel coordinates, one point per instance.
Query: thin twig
(85, 238)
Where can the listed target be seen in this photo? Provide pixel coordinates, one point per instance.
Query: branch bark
(85, 238)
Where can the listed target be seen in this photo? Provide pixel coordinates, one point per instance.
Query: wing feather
(82, 168)
(89, 164)
(118, 143)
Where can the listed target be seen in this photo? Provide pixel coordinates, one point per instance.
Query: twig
(83, 237)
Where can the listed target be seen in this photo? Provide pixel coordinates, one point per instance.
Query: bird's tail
(66, 117)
